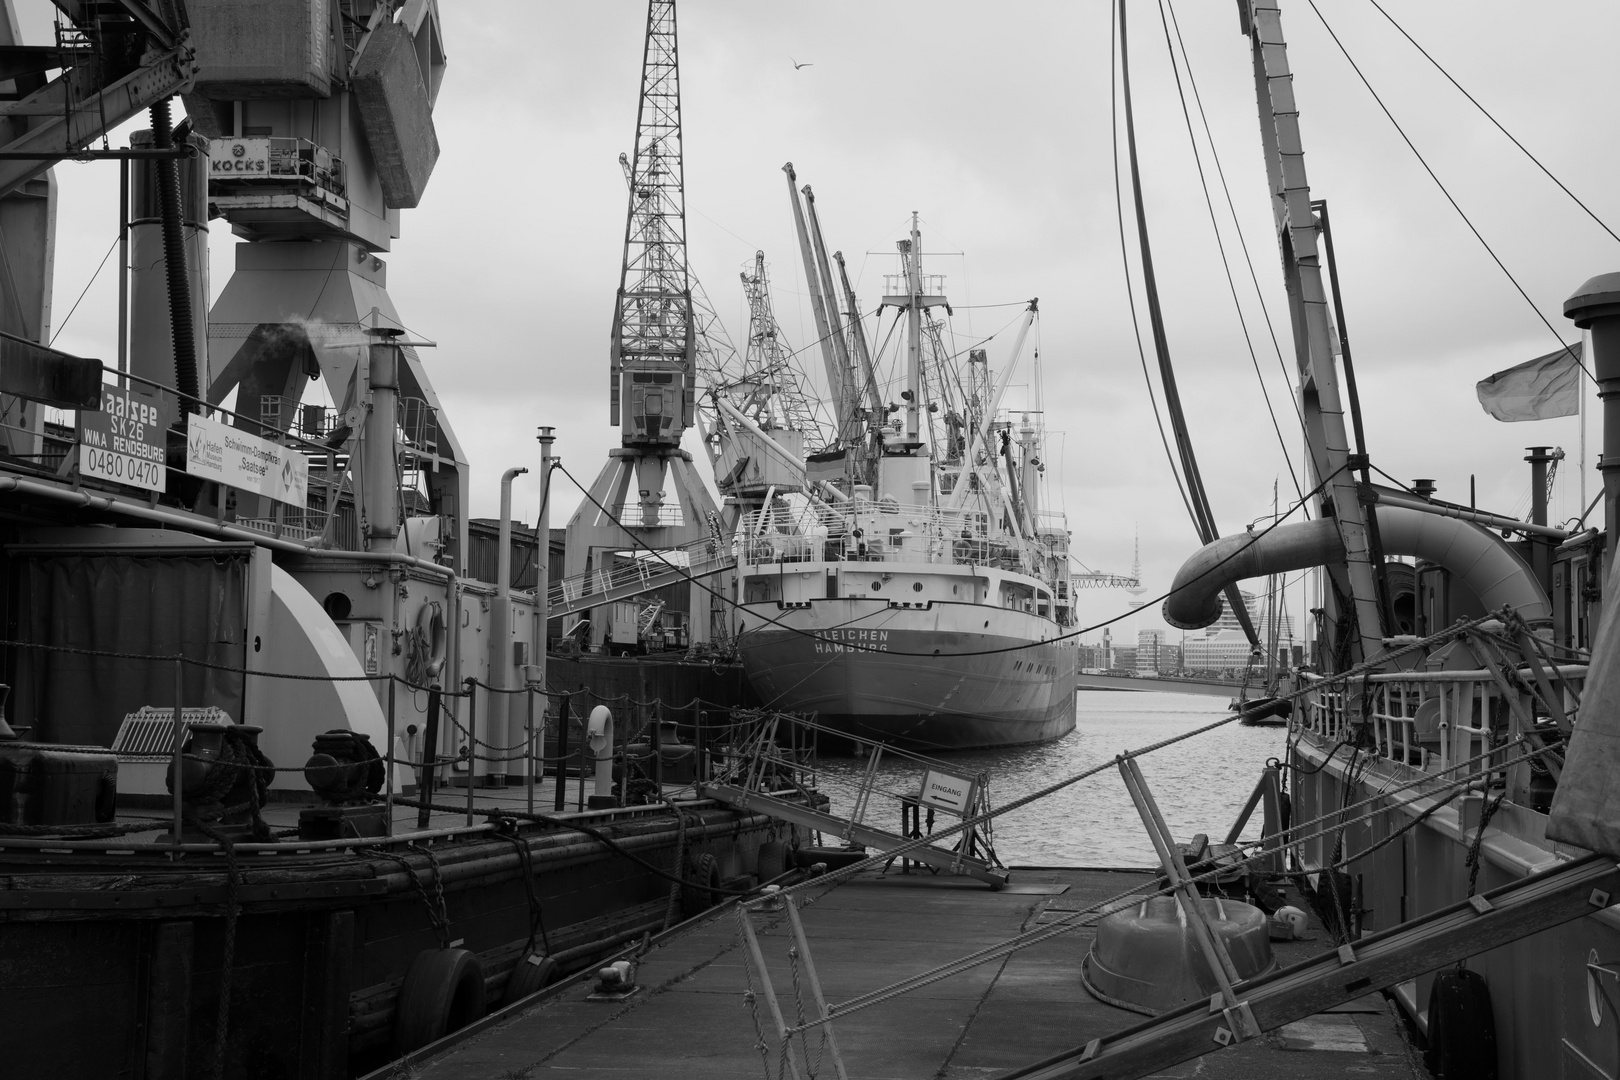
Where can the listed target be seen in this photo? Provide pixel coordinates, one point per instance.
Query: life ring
(430, 630)
(534, 972)
(1462, 1030)
(701, 891)
(443, 992)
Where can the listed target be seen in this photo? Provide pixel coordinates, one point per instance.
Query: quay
(690, 1017)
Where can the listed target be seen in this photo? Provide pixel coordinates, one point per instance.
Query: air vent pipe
(1486, 567)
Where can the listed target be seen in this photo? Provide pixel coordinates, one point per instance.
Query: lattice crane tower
(653, 351)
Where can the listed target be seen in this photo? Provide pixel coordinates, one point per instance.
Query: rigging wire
(1447, 193)
(636, 544)
(63, 324)
(1204, 518)
(1125, 257)
(1225, 263)
(1496, 123)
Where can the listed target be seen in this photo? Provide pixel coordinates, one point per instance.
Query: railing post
(179, 738)
(471, 686)
(528, 745)
(430, 754)
(561, 777)
(388, 758)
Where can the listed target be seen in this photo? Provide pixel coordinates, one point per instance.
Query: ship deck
(689, 1019)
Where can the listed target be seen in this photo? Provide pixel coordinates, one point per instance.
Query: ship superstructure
(908, 586)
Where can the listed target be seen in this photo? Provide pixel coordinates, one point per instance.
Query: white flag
(1537, 389)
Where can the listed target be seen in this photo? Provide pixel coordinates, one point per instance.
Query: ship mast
(914, 302)
(1297, 225)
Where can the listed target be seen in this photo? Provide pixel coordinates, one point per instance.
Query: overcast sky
(992, 121)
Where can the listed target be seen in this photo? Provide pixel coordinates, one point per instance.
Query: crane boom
(654, 339)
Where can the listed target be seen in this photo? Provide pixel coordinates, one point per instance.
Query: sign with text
(947, 792)
(124, 442)
(238, 159)
(215, 451)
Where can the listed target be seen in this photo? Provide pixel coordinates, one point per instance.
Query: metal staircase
(763, 781)
(632, 577)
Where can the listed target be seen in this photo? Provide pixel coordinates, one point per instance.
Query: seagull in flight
(797, 65)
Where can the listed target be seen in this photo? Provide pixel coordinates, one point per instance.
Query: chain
(672, 908)
(441, 927)
(438, 891)
(1472, 860)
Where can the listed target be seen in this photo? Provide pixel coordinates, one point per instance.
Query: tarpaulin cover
(1586, 807)
(152, 605)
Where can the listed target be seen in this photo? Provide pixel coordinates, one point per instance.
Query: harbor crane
(653, 350)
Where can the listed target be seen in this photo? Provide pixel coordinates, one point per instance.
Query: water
(1200, 784)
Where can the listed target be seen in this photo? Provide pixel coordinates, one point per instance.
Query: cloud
(992, 121)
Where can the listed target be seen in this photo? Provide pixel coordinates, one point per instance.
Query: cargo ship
(907, 584)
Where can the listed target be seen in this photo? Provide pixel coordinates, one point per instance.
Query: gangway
(762, 781)
(643, 574)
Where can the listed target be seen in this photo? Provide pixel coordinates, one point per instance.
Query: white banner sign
(231, 159)
(124, 441)
(217, 452)
(953, 793)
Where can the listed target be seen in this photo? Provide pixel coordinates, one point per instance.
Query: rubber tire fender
(443, 992)
(703, 882)
(1462, 1029)
(534, 972)
(773, 860)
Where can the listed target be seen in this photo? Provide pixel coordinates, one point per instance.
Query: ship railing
(773, 755)
(883, 530)
(1432, 720)
(642, 573)
(637, 515)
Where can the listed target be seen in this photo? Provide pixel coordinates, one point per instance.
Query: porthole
(337, 605)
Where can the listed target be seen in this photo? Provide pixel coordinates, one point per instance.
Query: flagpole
(1586, 350)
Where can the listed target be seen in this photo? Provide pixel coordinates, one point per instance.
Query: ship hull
(1552, 1015)
(933, 677)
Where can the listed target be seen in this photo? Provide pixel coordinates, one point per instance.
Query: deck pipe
(500, 638)
(379, 489)
(1595, 308)
(1485, 566)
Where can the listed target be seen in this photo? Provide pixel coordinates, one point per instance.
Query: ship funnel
(1485, 566)
(1583, 807)
(1595, 307)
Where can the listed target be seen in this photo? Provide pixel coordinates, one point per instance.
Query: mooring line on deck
(1094, 912)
